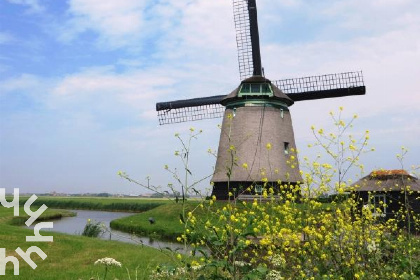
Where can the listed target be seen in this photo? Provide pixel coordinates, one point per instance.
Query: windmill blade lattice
(298, 89)
(190, 109)
(243, 38)
(323, 86)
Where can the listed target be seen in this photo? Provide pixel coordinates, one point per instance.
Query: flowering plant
(288, 231)
(107, 262)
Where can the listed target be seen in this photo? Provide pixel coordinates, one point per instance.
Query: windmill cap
(277, 93)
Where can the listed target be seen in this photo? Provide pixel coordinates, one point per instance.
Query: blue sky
(79, 80)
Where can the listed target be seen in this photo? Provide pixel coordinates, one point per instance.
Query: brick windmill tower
(257, 139)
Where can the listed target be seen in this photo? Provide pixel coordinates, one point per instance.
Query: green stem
(106, 272)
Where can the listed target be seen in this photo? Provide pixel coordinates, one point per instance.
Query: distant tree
(103, 195)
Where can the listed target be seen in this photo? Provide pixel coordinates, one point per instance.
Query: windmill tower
(257, 136)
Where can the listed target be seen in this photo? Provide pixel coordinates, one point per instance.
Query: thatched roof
(387, 180)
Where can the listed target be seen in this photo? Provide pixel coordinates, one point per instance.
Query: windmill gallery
(256, 113)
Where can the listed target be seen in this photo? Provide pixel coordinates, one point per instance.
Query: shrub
(93, 229)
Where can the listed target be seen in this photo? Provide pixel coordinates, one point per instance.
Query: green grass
(166, 226)
(49, 214)
(73, 257)
(167, 216)
(98, 203)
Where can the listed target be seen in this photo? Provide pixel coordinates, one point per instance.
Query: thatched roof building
(387, 180)
(391, 192)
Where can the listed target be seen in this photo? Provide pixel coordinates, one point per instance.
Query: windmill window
(286, 148)
(245, 88)
(255, 88)
(281, 113)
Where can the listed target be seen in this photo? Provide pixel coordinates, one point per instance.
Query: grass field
(166, 226)
(73, 257)
(98, 203)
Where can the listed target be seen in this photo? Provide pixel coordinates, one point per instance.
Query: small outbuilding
(389, 191)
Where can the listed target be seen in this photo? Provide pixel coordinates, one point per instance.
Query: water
(75, 226)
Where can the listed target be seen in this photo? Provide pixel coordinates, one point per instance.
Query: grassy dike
(166, 226)
(72, 257)
(98, 203)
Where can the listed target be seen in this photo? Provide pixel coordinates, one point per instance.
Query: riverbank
(97, 203)
(73, 257)
(166, 224)
(164, 212)
(48, 215)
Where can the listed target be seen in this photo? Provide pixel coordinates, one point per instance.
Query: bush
(93, 229)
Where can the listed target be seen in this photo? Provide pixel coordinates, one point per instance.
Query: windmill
(257, 136)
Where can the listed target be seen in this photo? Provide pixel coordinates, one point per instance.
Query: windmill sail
(243, 38)
(298, 89)
(324, 86)
(190, 109)
(255, 38)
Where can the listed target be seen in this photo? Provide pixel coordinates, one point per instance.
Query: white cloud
(34, 6)
(109, 91)
(25, 82)
(389, 61)
(5, 38)
(378, 15)
(173, 28)
(118, 23)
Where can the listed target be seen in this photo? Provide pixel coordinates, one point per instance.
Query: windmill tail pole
(255, 37)
(193, 102)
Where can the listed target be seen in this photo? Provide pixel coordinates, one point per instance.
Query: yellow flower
(268, 146)
(245, 166)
